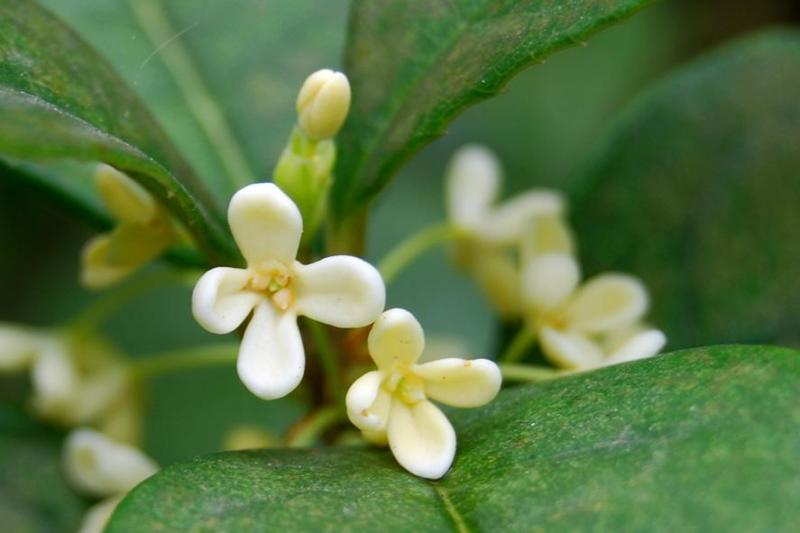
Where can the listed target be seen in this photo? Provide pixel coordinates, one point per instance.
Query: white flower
(145, 230)
(323, 103)
(391, 403)
(485, 230)
(75, 381)
(583, 326)
(342, 291)
(101, 467)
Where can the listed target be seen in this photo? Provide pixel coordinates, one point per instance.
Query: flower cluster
(522, 254)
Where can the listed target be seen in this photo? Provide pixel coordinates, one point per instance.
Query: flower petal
(367, 403)
(421, 438)
(607, 302)
(17, 347)
(570, 350)
(547, 233)
(124, 198)
(271, 358)
(98, 515)
(265, 223)
(55, 381)
(460, 382)
(343, 291)
(220, 302)
(396, 337)
(96, 270)
(507, 223)
(102, 467)
(472, 182)
(641, 345)
(498, 279)
(549, 280)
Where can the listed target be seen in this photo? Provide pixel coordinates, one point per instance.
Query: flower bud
(323, 103)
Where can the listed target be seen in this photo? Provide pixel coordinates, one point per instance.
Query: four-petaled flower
(586, 326)
(484, 229)
(391, 403)
(342, 291)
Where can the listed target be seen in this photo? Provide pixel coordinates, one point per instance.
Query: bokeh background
(254, 55)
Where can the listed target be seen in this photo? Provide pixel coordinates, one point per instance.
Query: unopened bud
(323, 103)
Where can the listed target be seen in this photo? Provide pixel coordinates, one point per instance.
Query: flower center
(409, 388)
(274, 280)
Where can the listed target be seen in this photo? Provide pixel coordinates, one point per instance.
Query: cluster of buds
(522, 254)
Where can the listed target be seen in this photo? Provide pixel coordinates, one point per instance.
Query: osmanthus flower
(75, 380)
(144, 231)
(341, 291)
(101, 467)
(581, 326)
(392, 404)
(485, 229)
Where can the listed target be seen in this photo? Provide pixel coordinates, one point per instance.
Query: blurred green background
(254, 55)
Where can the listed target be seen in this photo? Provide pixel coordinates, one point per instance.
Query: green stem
(328, 358)
(514, 372)
(310, 429)
(162, 363)
(518, 346)
(109, 303)
(408, 250)
(154, 20)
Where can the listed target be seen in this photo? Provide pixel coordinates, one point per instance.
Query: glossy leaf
(34, 496)
(60, 99)
(705, 438)
(414, 65)
(697, 191)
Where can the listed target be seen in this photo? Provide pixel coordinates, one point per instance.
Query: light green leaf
(414, 65)
(34, 496)
(697, 191)
(60, 99)
(705, 438)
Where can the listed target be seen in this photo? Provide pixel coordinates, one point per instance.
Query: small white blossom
(323, 103)
(101, 467)
(144, 231)
(582, 326)
(485, 230)
(342, 291)
(391, 403)
(75, 381)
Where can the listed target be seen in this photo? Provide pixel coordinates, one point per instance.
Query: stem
(175, 361)
(109, 303)
(154, 20)
(513, 372)
(328, 358)
(520, 344)
(308, 430)
(412, 247)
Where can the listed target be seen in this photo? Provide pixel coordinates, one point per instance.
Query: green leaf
(705, 438)
(34, 496)
(697, 191)
(414, 65)
(60, 99)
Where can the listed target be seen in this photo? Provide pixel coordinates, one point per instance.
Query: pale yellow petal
(546, 234)
(460, 382)
(367, 403)
(395, 338)
(266, 224)
(548, 281)
(271, 357)
(323, 103)
(98, 515)
(640, 345)
(570, 350)
(124, 198)
(341, 290)
(507, 223)
(18, 345)
(221, 301)
(421, 439)
(472, 182)
(498, 278)
(606, 302)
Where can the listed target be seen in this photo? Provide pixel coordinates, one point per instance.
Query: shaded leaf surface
(415, 64)
(34, 495)
(704, 438)
(60, 99)
(698, 190)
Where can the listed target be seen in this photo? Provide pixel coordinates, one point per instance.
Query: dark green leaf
(698, 190)
(702, 439)
(60, 99)
(414, 65)
(34, 496)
